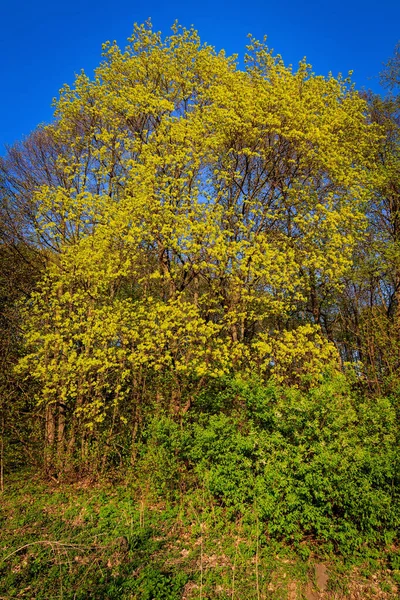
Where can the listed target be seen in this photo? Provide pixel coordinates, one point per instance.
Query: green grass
(81, 542)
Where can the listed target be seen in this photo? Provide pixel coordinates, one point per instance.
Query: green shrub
(321, 463)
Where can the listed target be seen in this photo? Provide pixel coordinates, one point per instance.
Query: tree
(390, 76)
(196, 216)
(370, 308)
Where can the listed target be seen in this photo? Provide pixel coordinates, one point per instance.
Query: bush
(321, 463)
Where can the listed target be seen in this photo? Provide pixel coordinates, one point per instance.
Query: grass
(81, 542)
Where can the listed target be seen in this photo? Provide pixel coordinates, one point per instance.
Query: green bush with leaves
(322, 463)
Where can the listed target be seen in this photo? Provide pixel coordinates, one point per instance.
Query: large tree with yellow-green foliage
(196, 215)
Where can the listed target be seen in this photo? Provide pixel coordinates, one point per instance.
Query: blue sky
(43, 44)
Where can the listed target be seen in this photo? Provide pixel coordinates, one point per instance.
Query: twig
(257, 556)
(234, 565)
(201, 561)
(51, 543)
(2, 455)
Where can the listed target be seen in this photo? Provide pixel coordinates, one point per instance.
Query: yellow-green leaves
(201, 206)
(297, 356)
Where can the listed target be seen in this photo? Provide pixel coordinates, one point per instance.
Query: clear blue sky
(43, 44)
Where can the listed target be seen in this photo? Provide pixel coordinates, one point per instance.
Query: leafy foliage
(201, 297)
(321, 464)
(199, 207)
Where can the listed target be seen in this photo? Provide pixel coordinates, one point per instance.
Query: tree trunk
(49, 438)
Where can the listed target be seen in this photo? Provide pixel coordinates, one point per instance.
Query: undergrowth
(242, 498)
(79, 542)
